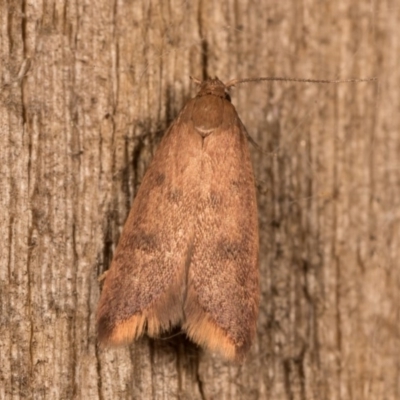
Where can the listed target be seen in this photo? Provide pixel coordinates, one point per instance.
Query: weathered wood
(87, 88)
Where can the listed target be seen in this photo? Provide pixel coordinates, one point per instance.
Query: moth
(188, 253)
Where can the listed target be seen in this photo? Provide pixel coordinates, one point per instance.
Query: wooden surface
(87, 88)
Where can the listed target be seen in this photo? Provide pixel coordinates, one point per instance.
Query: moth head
(213, 87)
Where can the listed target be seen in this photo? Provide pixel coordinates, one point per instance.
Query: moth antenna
(234, 82)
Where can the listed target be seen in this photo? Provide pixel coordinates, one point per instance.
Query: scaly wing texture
(222, 302)
(146, 283)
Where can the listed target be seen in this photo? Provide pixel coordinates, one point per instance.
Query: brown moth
(188, 253)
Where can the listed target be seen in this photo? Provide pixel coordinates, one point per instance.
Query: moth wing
(222, 302)
(145, 285)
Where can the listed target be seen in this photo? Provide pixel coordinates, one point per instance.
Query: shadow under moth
(188, 253)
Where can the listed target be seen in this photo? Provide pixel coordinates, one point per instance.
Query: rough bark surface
(87, 88)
